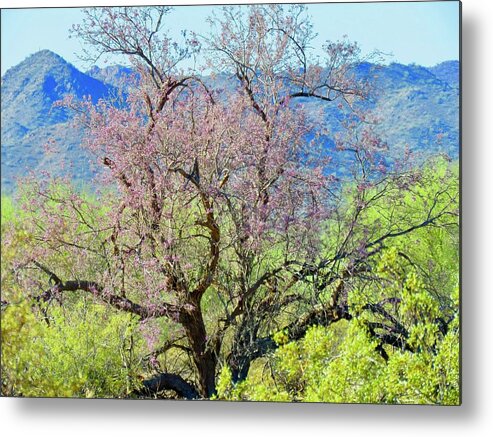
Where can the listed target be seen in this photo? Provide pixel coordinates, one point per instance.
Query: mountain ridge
(418, 105)
(29, 119)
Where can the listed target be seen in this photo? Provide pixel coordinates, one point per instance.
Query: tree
(225, 218)
(344, 362)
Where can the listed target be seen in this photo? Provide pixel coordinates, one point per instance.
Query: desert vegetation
(235, 249)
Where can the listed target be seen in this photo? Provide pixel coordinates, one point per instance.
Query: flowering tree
(222, 221)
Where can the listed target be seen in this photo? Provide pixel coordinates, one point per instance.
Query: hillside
(419, 107)
(29, 119)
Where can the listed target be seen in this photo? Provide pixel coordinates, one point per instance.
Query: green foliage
(325, 367)
(351, 373)
(79, 349)
(84, 351)
(247, 391)
(88, 350)
(7, 209)
(342, 362)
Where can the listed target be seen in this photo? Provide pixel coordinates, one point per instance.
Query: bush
(84, 351)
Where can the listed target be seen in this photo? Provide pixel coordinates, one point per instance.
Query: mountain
(30, 88)
(29, 119)
(114, 75)
(447, 72)
(418, 107)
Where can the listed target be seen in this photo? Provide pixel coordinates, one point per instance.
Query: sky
(424, 33)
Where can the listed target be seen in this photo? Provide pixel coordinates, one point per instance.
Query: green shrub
(84, 351)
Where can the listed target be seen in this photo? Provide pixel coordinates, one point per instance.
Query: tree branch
(119, 302)
(168, 381)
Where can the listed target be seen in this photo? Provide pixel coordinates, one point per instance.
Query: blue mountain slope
(29, 120)
(447, 72)
(418, 107)
(30, 88)
(114, 75)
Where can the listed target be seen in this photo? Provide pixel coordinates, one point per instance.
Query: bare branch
(168, 381)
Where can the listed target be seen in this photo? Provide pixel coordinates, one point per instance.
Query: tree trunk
(204, 357)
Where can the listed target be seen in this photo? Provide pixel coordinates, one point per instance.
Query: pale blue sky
(424, 33)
